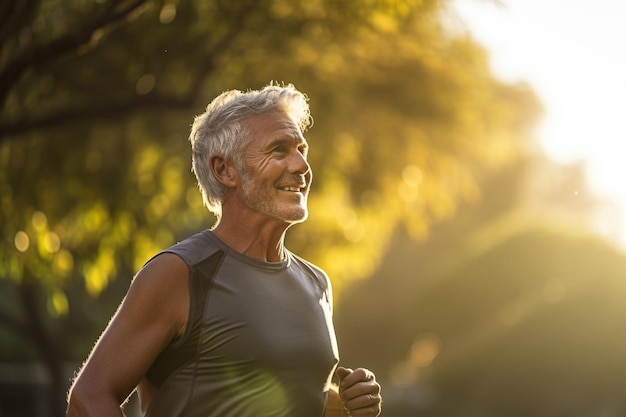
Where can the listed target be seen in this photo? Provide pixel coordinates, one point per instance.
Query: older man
(229, 322)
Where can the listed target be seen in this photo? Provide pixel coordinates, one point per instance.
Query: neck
(264, 242)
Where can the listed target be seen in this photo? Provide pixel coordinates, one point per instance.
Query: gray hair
(220, 130)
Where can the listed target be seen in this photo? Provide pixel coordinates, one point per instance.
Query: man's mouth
(293, 188)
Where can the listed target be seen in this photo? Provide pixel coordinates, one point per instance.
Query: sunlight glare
(571, 55)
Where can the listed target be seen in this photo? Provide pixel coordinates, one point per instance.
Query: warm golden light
(569, 54)
(425, 349)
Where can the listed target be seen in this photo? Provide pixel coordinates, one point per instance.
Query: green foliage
(93, 127)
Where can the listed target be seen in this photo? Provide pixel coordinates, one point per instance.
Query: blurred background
(467, 202)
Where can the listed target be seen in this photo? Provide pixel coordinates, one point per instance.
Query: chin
(298, 217)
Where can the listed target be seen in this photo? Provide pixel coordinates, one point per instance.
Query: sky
(573, 55)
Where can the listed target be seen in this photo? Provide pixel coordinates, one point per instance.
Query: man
(229, 322)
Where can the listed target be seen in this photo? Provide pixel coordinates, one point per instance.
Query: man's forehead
(277, 121)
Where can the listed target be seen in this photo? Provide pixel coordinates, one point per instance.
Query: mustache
(298, 180)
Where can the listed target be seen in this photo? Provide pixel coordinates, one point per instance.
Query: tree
(97, 98)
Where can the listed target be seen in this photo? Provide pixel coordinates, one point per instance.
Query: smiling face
(276, 177)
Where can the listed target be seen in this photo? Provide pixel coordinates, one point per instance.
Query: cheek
(260, 165)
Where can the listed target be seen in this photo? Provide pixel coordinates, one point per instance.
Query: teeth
(295, 189)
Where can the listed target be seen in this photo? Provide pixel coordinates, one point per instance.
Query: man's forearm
(85, 405)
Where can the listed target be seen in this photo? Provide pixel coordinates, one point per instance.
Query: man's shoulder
(307, 264)
(318, 273)
(195, 248)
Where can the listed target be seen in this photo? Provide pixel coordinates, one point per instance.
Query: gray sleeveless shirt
(259, 341)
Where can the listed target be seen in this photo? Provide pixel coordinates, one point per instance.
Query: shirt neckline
(274, 266)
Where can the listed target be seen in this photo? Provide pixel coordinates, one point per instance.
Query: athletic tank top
(259, 340)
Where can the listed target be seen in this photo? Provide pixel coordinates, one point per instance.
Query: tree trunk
(46, 346)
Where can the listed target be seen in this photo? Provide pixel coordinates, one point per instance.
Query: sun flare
(571, 54)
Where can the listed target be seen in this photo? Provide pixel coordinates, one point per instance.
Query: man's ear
(223, 170)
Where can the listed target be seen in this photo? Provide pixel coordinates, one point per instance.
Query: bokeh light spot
(22, 241)
(52, 243)
(145, 84)
(425, 349)
(39, 220)
(63, 262)
(412, 176)
(168, 14)
(58, 304)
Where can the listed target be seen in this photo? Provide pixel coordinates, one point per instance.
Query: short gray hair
(220, 130)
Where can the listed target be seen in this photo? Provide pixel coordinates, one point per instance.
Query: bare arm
(153, 312)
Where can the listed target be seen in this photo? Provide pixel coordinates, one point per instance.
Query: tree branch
(49, 350)
(102, 110)
(37, 55)
(97, 110)
(112, 110)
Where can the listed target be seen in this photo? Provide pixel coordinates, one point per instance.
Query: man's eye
(280, 149)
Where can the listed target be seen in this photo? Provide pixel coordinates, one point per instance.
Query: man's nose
(298, 163)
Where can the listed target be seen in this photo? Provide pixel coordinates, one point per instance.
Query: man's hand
(359, 392)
